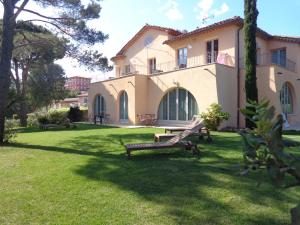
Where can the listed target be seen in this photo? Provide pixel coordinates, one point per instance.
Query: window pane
(274, 57)
(96, 106)
(163, 108)
(209, 51)
(121, 106)
(181, 104)
(286, 99)
(102, 108)
(184, 103)
(152, 65)
(216, 50)
(282, 54)
(125, 106)
(192, 106)
(172, 105)
(182, 57)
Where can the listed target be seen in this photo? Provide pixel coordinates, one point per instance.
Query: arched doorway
(99, 106)
(286, 99)
(123, 107)
(177, 104)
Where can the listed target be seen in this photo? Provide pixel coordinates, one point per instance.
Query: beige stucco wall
(292, 49)
(111, 90)
(138, 55)
(270, 80)
(196, 45)
(209, 84)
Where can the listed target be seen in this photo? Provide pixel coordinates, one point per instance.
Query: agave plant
(264, 148)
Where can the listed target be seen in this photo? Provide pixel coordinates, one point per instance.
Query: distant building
(80, 100)
(78, 83)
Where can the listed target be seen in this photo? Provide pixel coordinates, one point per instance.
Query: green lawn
(82, 176)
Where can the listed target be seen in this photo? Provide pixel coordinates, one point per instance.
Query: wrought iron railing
(173, 65)
(266, 60)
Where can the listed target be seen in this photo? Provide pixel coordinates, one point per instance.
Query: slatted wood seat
(203, 132)
(176, 141)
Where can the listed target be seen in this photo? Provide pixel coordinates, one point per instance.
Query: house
(176, 75)
(78, 83)
(81, 100)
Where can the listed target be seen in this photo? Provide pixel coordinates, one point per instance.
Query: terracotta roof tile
(287, 38)
(231, 21)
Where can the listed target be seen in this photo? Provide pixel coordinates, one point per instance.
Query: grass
(82, 176)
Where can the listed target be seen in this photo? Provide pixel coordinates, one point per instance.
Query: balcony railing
(266, 60)
(224, 59)
(135, 69)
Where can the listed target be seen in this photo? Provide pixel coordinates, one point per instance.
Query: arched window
(123, 106)
(177, 104)
(286, 99)
(99, 106)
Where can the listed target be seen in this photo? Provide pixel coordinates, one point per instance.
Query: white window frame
(177, 105)
(286, 96)
(178, 57)
(214, 55)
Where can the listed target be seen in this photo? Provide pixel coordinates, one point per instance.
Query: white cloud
(171, 11)
(206, 10)
(174, 14)
(223, 9)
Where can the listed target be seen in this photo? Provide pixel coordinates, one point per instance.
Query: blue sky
(121, 19)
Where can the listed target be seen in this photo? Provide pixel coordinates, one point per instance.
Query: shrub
(32, 119)
(75, 114)
(57, 117)
(10, 131)
(43, 118)
(214, 116)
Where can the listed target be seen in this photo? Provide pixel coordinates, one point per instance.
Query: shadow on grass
(183, 183)
(79, 127)
(53, 149)
(191, 190)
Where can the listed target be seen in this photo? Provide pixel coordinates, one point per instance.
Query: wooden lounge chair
(179, 129)
(176, 141)
(202, 132)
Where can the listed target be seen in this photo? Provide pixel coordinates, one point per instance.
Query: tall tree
(46, 84)
(250, 27)
(5, 58)
(70, 19)
(46, 49)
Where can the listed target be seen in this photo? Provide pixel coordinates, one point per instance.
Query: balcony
(266, 60)
(170, 66)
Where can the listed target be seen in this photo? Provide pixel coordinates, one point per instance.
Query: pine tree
(71, 20)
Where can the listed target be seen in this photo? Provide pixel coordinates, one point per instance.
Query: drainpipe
(238, 79)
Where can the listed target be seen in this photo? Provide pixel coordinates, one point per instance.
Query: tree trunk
(5, 60)
(23, 112)
(250, 27)
(23, 104)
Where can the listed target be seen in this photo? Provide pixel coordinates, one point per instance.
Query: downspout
(238, 79)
